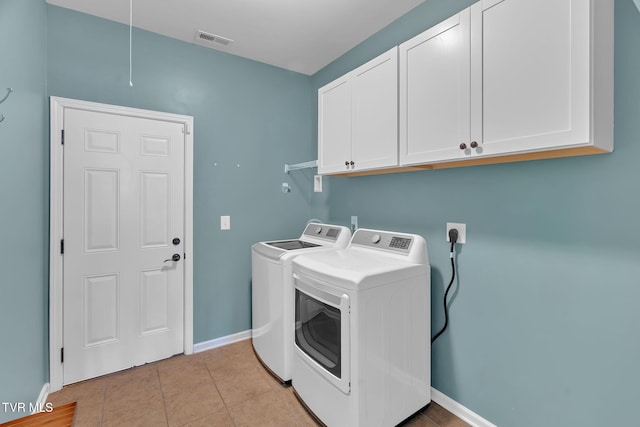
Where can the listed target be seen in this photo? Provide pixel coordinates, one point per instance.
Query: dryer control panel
(397, 242)
(408, 247)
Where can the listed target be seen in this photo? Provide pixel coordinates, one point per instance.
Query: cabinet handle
(463, 146)
(474, 144)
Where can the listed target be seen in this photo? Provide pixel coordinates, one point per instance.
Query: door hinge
(62, 355)
(187, 130)
(62, 137)
(62, 246)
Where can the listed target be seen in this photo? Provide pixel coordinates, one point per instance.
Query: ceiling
(298, 35)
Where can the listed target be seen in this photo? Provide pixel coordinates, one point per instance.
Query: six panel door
(123, 206)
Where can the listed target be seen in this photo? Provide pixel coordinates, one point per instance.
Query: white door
(435, 93)
(123, 216)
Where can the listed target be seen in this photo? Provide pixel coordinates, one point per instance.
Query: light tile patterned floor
(226, 386)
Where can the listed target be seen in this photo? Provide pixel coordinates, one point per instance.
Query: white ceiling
(298, 35)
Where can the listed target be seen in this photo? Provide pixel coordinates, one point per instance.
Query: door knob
(174, 257)
(176, 241)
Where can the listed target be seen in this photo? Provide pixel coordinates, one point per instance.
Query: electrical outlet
(462, 231)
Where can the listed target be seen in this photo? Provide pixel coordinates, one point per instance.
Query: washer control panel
(323, 231)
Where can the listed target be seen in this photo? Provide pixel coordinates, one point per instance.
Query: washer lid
(357, 269)
(271, 251)
(315, 236)
(289, 245)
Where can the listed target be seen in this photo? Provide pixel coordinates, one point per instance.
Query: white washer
(272, 292)
(362, 352)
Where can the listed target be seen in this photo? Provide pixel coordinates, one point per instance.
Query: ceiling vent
(203, 36)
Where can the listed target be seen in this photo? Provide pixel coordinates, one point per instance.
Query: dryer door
(322, 329)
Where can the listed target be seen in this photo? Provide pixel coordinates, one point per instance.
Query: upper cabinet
(358, 118)
(435, 97)
(503, 80)
(509, 77)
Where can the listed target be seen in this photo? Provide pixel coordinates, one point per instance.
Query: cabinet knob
(351, 163)
(474, 144)
(346, 163)
(463, 146)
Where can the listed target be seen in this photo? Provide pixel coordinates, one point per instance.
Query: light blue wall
(250, 119)
(544, 327)
(23, 204)
(544, 318)
(246, 113)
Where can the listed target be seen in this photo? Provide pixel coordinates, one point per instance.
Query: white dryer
(272, 292)
(362, 350)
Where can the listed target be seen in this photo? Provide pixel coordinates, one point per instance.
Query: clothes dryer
(362, 330)
(272, 292)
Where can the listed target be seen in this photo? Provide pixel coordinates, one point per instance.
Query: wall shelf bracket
(298, 166)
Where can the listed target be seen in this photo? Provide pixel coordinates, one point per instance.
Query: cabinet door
(434, 93)
(375, 113)
(334, 126)
(530, 75)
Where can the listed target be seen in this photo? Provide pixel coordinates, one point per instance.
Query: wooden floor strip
(62, 416)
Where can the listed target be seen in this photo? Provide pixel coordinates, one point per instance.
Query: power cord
(453, 237)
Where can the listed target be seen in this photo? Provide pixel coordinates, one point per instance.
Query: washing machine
(362, 350)
(272, 292)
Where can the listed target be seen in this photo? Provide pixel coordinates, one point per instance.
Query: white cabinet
(509, 77)
(334, 126)
(435, 92)
(358, 118)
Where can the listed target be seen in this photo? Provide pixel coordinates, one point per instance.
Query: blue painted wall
(250, 119)
(544, 317)
(544, 327)
(24, 204)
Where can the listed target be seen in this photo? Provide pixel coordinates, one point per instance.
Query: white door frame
(56, 216)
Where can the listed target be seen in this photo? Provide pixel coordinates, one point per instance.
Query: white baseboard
(219, 342)
(42, 398)
(460, 411)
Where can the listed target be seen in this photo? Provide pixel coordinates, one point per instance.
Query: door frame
(56, 217)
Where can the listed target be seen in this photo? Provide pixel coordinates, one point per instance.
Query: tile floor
(226, 386)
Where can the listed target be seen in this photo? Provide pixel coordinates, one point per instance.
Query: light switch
(225, 222)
